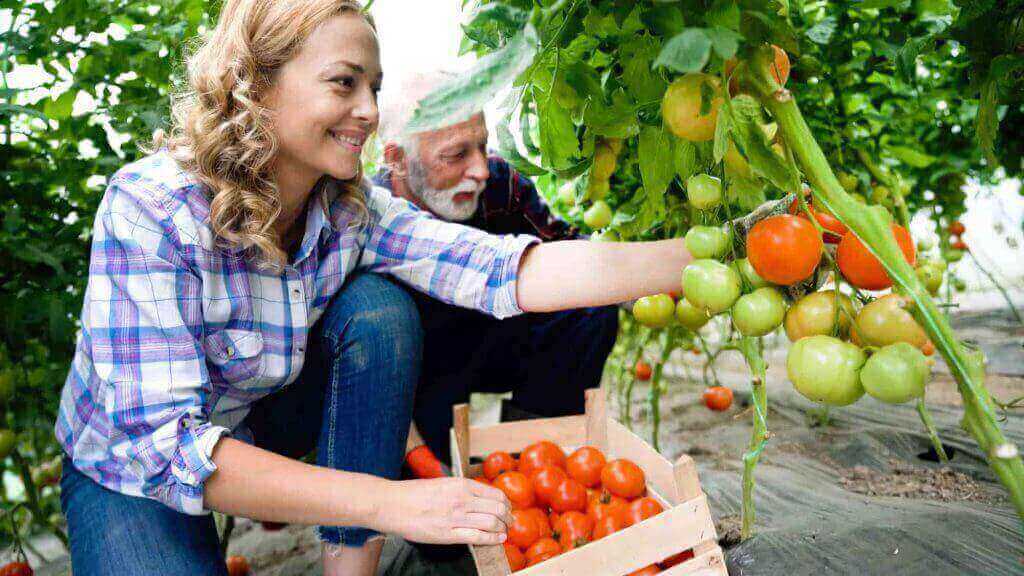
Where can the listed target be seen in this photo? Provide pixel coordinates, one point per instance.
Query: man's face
(448, 171)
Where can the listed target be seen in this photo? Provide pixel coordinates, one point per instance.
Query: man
(545, 360)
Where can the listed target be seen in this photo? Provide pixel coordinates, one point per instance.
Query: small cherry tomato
(642, 370)
(717, 398)
(957, 228)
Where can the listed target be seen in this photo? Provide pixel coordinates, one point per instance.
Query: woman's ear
(395, 159)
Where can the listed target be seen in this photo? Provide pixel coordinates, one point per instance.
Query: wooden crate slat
(514, 436)
(650, 541)
(597, 420)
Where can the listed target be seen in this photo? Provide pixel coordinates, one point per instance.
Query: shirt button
(301, 349)
(296, 292)
(229, 351)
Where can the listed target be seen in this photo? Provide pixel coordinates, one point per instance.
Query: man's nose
(477, 169)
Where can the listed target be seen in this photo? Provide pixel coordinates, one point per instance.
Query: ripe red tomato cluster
(16, 569)
(562, 502)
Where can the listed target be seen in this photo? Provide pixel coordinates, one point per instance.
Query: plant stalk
(933, 433)
(752, 353)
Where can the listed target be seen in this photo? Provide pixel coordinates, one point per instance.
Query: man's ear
(394, 158)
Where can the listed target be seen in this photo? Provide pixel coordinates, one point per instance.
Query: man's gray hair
(398, 104)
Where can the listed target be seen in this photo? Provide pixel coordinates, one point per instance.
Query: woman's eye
(345, 82)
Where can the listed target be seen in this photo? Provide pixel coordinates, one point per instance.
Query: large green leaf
(657, 167)
(468, 93)
(687, 51)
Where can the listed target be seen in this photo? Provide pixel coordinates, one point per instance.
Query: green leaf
(508, 150)
(494, 24)
(467, 94)
(616, 121)
(722, 127)
(657, 168)
(60, 109)
(686, 52)
(665, 20)
(558, 142)
(751, 141)
(637, 56)
(911, 157)
(906, 58)
(724, 13)
(685, 159)
(882, 4)
(12, 109)
(821, 33)
(724, 41)
(988, 120)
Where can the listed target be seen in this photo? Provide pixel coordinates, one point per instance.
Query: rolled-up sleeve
(143, 318)
(456, 264)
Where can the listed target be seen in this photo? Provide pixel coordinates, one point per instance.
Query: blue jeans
(353, 402)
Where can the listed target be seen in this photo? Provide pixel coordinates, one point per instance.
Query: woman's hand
(445, 511)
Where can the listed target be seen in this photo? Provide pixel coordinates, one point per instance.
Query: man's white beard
(442, 202)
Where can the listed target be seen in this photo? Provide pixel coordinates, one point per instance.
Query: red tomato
(523, 531)
(646, 571)
(717, 398)
(607, 505)
(584, 466)
(542, 550)
(641, 509)
(569, 496)
(545, 481)
(540, 454)
(957, 228)
(606, 526)
(623, 478)
(784, 249)
(959, 245)
(643, 371)
(238, 566)
(676, 559)
(543, 522)
(16, 569)
(516, 560)
(498, 462)
(862, 269)
(574, 530)
(828, 222)
(517, 487)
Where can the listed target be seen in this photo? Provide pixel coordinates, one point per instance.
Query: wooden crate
(685, 524)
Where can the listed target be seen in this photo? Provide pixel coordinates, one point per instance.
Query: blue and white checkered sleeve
(454, 263)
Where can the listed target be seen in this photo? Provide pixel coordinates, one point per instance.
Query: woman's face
(324, 101)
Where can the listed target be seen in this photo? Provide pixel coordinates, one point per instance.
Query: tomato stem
(752, 350)
(872, 228)
(933, 433)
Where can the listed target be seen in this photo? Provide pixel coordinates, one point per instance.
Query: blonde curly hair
(220, 131)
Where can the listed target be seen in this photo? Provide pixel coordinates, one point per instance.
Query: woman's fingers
(478, 537)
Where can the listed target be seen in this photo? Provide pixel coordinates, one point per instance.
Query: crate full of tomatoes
(588, 497)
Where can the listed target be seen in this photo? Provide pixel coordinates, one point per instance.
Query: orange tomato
(717, 398)
(959, 245)
(623, 478)
(606, 526)
(568, 496)
(545, 481)
(827, 221)
(957, 228)
(516, 559)
(784, 249)
(607, 505)
(238, 566)
(541, 454)
(518, 488)
(542, 550)
(780, 69)
(860, 267)
(498, 462)
(643, 371)
(523, 531)
(574, 529)
(641, 509)
(543, 522)
(584, 466)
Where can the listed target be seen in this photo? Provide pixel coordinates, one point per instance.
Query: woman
(244, 240)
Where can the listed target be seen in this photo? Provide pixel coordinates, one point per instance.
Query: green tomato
(707, 241)
(597, 189)
(736, 166)
(750, 276)
(826, 370)
(815, 315)
(959, 285)
(952, 255)
(604, 163)
(567, 195)
(885, 321)
(859, 197)
(848, 181)
(606, 236)
(925, 244)
(598, 216)
(7, 441)
(895, 374)
(655, 311)
(880, 194)
(711, 286)
(931, 276)
(690, 316)
(704, 191)
(759, 312)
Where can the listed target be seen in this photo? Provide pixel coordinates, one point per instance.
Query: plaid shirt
(510, 204)
(180, 336)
